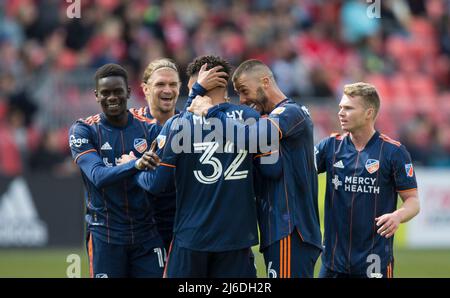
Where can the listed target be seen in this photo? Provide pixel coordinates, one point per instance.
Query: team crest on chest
(372, 165)
(140, 145)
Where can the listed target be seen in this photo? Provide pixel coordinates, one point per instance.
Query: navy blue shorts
(186, 263)
(136, 260)
(290, 257)
(387, 272)
(166, 233)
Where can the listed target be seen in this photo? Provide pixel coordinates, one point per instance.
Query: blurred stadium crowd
(313, 46)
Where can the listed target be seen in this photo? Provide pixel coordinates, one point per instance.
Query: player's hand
(126, 158)
(200, 105)
(388, 224)
(148, 161)
(212, 78)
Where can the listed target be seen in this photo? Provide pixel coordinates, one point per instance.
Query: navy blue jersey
(118, 210)
(287, 189)
(289, 202)
(164, 204)
(361, 185)
(214, 183)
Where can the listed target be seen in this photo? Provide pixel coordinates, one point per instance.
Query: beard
(262, 100)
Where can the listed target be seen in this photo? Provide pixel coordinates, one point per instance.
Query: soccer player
(287, 201)
(366, 170)
(122, 239)
(161, 87)
(215, 220)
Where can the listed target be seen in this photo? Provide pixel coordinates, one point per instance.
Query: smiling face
(353, 114)
(112, 93)
(251, 93)
(162, 89)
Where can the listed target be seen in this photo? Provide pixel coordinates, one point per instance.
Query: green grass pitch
(52, 262)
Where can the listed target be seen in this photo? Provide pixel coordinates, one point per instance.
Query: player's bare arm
(390, 222)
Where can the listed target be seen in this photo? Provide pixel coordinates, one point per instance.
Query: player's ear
(128, 92)
(370, 113)
(96, 95)
(265, 81)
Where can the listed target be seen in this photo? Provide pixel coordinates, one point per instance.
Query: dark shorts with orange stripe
(136, 260)
(187, 263)
(290, 257)
(387, 272)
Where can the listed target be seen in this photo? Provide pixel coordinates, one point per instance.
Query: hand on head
(212, 78)
(200, 105)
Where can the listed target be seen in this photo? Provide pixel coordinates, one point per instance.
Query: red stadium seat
(400, 87)
(381, 83)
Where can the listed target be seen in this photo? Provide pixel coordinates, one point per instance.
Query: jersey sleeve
(87, 158)
(268, 170)
(197, 89)
(321, 155)
(258, 135)
(403, 170)
(162, 179)
(289, 120)
(80, 141)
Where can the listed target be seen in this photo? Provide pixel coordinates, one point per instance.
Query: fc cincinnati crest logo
(372, 165)
(409, 170)
(140, 145)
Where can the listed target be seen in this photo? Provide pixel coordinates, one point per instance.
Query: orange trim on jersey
(389, 140)
(334, 251)
(91, 256)
(265, 154)
(83, 153)
(281, 258)
(338, 136)
(406, 190)
(390, 273)
(144, 119)
(289, 257)
(300, 234)
(168, 258)
(91, 120)
(286, 254)
(276, 125)
(167, 165)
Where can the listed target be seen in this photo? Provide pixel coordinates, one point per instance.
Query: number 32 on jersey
(207, 158)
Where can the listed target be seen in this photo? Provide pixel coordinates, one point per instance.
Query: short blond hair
(158, 64)
(366, 91)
